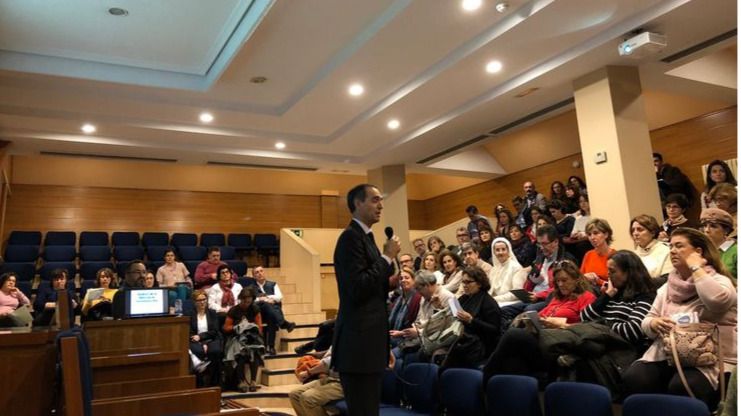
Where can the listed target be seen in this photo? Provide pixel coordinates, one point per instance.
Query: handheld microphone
(389, 231)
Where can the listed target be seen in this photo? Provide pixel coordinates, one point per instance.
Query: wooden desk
(27, 362)
(167, 335)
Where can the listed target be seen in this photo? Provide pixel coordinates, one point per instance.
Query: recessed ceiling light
(471, 5)
(117, 11)
(88, 128)
(280, 145)
(356, 90)
(493, 67)
(206, 117)
(393, 124)
(502, 6)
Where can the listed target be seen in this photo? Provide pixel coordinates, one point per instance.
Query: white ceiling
(421, 62)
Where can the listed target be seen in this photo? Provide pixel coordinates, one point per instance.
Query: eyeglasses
(461, 235)
(467, 282)
(200, 300)
(541, 244)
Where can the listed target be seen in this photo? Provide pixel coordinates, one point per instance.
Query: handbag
(440, 331)
(694, 345)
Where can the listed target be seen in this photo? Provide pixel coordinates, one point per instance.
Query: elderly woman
(97, 303)
(654, 254)
(206, 342)
(481, 320)
(46, 299)
(405, 308)
(506, 273)
(718, 172)
(725, 196)
(675, 207)
(452, 272)
(11, 298)
(522, 246)
(594, 264)
(699, 286)
(429, 263)
(518, 351)
(244, 350)
(222, 296)
(718, 225)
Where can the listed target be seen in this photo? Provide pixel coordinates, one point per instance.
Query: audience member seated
(45, 303)
(506, 273)
(173, 274)
(672, 180)
(577, 243)
(594, 265)
(403, 311)
(532, 197)
(471, 257)
(324, 387)
(578, 182)
(518, 204)
(558, 192)
(481, 320)
(485, 238)
(223, 296)
(717, 226)
(519, 351)
(206, 274)
(321, 342)
(725, 196)
(532, 216)
(522, 247)
(461, 236)
(133, 278)
(572, 199)
(97, 304)
(269, 299)
(653, 253)
(697, 285)
(430, 264)
(149, 280)
(420, 248)
(406, 260)
(244, 350)
(452, 272)
(718, 172)
(540, 283)
(473, 231)
(11, 298)
(504, 220)
(564, 223)
(674, 208)
(435, 244)
(206, 342)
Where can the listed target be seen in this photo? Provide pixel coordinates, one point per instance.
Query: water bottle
(178, 307)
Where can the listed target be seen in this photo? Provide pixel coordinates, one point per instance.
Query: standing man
(360, 351)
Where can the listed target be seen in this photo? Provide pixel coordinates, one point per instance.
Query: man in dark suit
(360, 350)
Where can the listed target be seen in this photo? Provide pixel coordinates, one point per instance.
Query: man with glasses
(134, 277)
(539, 281)
(718, 225)
(471, 257)
(462, 236)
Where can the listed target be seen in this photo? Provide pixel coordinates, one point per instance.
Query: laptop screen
(146, 302)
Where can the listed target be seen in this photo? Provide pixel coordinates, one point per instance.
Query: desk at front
(27, 362)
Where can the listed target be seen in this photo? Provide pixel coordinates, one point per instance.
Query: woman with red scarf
(222, 297)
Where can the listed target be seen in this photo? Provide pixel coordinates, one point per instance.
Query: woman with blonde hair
(654, 254)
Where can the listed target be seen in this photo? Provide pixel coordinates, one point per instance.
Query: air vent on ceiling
(500, 130)
(256, 166)
(700, 46)
(96, 156)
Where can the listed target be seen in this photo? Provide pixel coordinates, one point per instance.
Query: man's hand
(213, 276)
(392, 247)
(395, 334)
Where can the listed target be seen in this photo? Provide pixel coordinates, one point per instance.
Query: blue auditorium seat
(192, 253)
(25, 270)
(567, 398)
(212, 239)
(155, 239)
(125, 238)
(184, 239)
(93, 238)
(462, 391)
(48, 267)
(238, 267)
(227, 253)
(128, 253)
(59, 253)
(95, 253)
(89, 269)
(60, 238)
(21, 254)
(86, 284)
(157, 253)
(663, 404)
(26, 286)
(24, 238)
(192, 265)
(511, 395)
(242, 242)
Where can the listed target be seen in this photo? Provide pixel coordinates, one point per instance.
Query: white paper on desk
(455, 306)
(94, 293)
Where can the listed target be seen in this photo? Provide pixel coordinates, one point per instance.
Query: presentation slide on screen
(144, 302)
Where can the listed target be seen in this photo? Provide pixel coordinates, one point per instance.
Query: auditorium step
(267, 398)
(281, 361)
(278, 377)
(288, 343)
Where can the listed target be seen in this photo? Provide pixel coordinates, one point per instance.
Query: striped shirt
(623, 317)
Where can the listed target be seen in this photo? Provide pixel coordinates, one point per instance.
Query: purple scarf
(680, 290)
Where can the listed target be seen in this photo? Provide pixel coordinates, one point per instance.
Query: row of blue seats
(459, 391)
(27, 270)
(21, 254)
(239, 241)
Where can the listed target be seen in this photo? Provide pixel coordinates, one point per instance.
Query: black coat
(361, 342)
(213, 326)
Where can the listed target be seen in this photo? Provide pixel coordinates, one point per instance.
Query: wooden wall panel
(417, 215)
(40, 207)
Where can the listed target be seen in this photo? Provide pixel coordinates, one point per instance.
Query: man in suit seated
(269, 298)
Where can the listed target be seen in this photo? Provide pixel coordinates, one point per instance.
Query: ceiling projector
(642, 44)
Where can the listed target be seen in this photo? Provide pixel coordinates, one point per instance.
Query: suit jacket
(361, 342)
(213, 326)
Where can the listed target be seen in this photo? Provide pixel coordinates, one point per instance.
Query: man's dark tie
(372, 239)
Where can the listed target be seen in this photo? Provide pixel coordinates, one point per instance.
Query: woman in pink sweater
(11, 298)
(698, 284)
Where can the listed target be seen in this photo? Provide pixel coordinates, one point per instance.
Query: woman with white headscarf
(506, 272)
